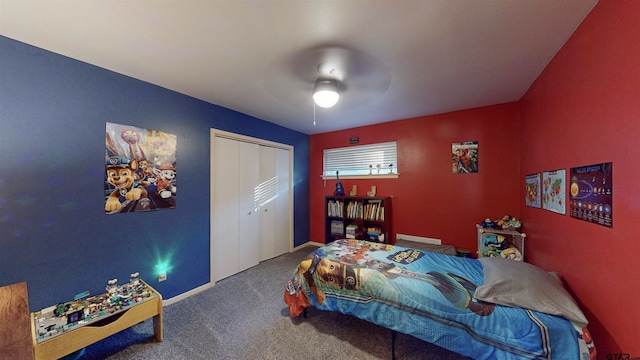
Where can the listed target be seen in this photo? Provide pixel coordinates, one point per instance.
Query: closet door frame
(216, 133)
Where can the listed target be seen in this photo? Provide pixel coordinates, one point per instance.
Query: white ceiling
(406, 58)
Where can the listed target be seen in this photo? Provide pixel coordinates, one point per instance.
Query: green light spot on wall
(162, 268)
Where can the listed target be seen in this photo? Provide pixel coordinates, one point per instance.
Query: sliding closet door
(236, 223)
(283, 225)
(267, 193)
(224, 227)
(275, 215)
(248, 218)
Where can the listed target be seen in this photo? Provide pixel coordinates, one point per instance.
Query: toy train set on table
(86, 309)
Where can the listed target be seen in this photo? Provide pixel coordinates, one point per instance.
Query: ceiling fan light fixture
(325, 93)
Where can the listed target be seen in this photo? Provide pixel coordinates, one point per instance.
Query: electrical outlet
(162, 277)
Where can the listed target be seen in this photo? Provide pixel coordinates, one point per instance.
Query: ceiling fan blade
(360, 76)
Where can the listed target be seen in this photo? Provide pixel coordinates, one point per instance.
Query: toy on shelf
(372, 192)
(375, 234)
(496, 241)
(339, 187)
(496, 245)
(511, 253)
(507, 222)
(488, 223)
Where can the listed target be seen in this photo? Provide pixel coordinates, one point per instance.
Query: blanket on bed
(430, 296)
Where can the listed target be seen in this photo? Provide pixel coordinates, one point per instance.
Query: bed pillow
(519, 284)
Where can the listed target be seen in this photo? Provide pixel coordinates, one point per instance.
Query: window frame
(360, 151)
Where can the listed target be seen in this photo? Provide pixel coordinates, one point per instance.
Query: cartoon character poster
(553, 191)
(464, 157)
(140, 169)
(532, 190)
(591, 192)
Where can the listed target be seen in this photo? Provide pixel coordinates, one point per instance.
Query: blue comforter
(429, 296)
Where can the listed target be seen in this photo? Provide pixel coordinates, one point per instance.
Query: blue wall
(54, 233)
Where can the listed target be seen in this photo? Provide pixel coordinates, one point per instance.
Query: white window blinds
(365, 160)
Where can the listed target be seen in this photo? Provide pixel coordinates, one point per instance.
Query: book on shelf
(334, 208)
(374, 211)
(354, 210)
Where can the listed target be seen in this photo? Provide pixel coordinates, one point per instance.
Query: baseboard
(419, 239)
(185, 295)
(308, 243)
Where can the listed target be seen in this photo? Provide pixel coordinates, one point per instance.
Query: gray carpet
(245, 317)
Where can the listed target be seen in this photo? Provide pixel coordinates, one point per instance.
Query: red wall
(429, 200)
(585, 109)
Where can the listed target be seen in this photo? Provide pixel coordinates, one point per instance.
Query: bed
(486, 308)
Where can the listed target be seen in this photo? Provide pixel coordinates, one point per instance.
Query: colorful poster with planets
(140, 169)
(553, 191)
(591, 193)
(532, 190)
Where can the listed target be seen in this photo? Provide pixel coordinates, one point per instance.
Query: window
(362, 161)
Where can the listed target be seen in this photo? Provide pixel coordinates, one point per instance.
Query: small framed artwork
(532, 190)
(464, 157)
(554, 191)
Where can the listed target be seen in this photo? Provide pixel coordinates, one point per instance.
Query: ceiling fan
(354, 77)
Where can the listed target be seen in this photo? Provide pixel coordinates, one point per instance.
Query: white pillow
(523, 285)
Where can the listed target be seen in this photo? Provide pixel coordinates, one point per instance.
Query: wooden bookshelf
(359, 217)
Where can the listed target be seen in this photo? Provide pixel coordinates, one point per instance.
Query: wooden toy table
(84, 335)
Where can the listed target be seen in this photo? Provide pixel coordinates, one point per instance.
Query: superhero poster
(464, 157)
(140, 169)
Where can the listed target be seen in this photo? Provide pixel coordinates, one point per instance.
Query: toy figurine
(495, 242)
(112, 286)
(339, 188)
(134, 279)
(509, 222)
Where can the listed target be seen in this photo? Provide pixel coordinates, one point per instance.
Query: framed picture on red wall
(591, 193)
(554, 196)
(464, 156)
(532, 190)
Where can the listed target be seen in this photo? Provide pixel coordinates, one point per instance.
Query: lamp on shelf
(325, 93)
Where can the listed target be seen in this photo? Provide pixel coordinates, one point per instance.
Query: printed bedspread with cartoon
(430, 296)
